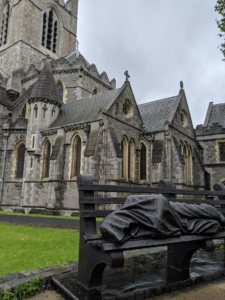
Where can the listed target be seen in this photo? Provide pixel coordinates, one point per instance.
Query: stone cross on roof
(127, 75)
(181, 85)
(78, 45)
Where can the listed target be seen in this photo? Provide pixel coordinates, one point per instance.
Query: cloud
(160, 42)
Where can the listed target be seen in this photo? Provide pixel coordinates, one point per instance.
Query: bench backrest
(88, 199)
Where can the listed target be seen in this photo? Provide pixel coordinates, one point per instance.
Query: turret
(44, 104)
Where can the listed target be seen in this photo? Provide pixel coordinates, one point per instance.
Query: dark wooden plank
(117, 200)
(89, 237)
(94, 213)
(147, 243)
(103, 200)
(199, 201)
(129, 189)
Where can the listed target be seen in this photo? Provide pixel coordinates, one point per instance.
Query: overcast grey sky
(159, 42)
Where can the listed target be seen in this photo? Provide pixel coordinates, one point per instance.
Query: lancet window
(50, 31)
(46, 159)
(4, 23)
(124, 150)
(94, 92)
(76, 156)
(131, 160)
(59, 88)
(20, 160)
(143, 162)
(222, 151)
(187, 153)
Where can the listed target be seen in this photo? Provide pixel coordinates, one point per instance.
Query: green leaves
(23, 291)
(220, 8)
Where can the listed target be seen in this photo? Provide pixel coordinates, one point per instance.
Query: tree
(220, 8)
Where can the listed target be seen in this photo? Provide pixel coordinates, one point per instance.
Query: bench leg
(92, 264)
(179, 258)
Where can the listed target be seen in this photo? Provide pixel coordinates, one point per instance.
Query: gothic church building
(59, 117)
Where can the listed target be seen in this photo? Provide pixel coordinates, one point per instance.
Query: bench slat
(199, 201)
(118, 200)
(129, 189)
(103, 200)
(94, 213)
(147, 243)
(89, 237)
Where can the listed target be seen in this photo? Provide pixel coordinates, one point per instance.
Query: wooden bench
(95, 252)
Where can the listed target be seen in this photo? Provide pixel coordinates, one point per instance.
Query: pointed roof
(155, 114)
(45, 87)
(215, 114)
(72, 57)
(86, 109)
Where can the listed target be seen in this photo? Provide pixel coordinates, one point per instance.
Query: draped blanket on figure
(154, 216)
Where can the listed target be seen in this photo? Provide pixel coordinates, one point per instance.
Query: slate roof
(154, 114)
(217, 115)
(86, 109)
(45, 87)
(72, 57)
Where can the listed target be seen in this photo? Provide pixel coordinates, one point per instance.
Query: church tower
(33, 30)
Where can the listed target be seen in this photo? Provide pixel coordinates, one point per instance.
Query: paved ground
(39, 220)
(205, 291)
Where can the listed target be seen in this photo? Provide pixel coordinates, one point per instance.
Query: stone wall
(25, 34)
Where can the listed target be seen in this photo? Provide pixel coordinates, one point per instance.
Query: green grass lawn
(25, 247)
(37, 215)
(44, 216)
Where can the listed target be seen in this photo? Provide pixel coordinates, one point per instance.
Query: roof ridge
(218, 104)
(91, 96)
(157, 100)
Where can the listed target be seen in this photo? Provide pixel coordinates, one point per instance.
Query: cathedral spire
(45, 87)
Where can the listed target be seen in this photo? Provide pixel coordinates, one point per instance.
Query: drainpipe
(5, 135)
(151, 140)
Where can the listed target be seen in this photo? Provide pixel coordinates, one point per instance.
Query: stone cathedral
(59, 117)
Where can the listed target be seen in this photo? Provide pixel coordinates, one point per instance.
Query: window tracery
(50, 31)
(4, 23)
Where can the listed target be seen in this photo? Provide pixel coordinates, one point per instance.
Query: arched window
(222, 151)
(35, 111)
(50, 31)
(143, 163)
(131, 160)
(46, 159)
(20, 160)
(59, 88)
(124, 150)
(4, 23)
(44, 109)
(94, 92)
(187, 153)
(76, 157)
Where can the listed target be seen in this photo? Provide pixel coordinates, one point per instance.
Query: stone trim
(11, 281)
